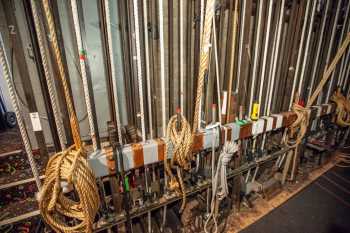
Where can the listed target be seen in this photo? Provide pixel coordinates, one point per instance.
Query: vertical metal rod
(296, 71)
(265, 52)
(256, 53)
(318, 51)
(346, 21)
(113, 72)
(140, 81)
(162, 83)
(302, 75)
(330, 48)
(49, 105)
(217, 70)
(139, 68)
(14, 99)
(339, 44)
(280, 24)
(88, 94)
(344, 61)
(162, 65)
(182, 58)
(232, 60)
(240, 50)
(48, 77)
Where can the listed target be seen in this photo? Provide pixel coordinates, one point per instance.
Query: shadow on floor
(323, 207)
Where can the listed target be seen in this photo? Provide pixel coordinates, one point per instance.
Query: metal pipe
(182, 57)
(256, 53)
(14, 99)
(88, 94)
(329, 52)
(345, 61)
(318, 51)
(346, 20)
(265, 51)
(48, 77)
(307, 47)
(240, 50)
(232, 61)
(217, 70)
(112, 67)
(299, 53)
(279, 30)
(41, 74)
(162, 65)
(339, 45)
(139, 68)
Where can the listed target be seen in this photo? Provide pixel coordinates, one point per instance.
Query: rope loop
(55, 206)
(180, 136)
(343, 109)
(297, 130)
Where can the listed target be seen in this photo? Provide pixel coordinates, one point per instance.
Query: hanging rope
(220, 192)
(9, 80)
(343, 109)
(179, 131)
(69, 166)
(48, 77)
(297, 130)
(182, 155)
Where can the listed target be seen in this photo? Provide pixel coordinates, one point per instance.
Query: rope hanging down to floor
(343, 109)
(297, 130)
(69, 166)
(220, 192)
(182, 138)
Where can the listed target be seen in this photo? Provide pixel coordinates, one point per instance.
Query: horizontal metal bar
(152, 151)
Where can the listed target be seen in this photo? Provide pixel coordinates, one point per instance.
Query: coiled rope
(220, 192)
(182, 138)
(343, 109)
(297, 130)
(68, 166)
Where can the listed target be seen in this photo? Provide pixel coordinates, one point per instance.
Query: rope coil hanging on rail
(68, 166)
(343, 109)
(297, 130)
(182, 139)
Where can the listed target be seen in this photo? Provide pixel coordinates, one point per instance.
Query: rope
(343, 109)
(204, 60)
(82, 55)
(69, 166)
(8, 77)
(220, 192)
(297, 130)
(55, 207)
(48, 76)
(181, 136)
(182, 142)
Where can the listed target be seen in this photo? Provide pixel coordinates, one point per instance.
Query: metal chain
(9, 80)
(49, 81)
